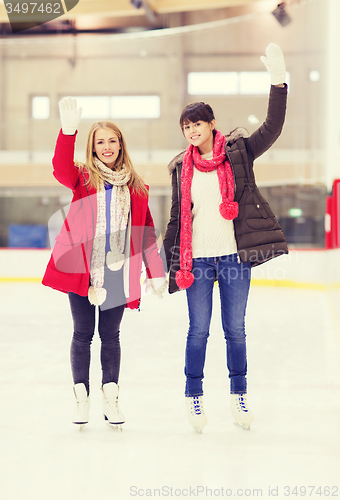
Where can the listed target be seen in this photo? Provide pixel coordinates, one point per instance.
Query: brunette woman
(219, 227)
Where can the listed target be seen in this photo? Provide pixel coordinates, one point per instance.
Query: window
(143, 106)
(113, 107)
(213, 83)
(40, 107)
(230, 83)
(254, 82)
(94, 107)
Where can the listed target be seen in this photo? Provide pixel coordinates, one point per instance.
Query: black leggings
(83, 314)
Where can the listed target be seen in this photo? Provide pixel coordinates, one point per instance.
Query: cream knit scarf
(119, 213)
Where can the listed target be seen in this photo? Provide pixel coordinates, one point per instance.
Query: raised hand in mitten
(275, 64)
(70, 115)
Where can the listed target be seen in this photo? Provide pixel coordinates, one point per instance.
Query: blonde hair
(123, 158)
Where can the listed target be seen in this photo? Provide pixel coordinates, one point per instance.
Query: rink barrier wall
(315, 269)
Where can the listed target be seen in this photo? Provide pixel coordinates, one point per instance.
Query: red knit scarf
(228, 208)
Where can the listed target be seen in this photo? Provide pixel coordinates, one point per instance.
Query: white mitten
(70, 115)
(156, 286)
(275, 64)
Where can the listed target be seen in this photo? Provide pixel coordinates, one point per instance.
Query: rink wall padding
(26, 265)
(314, 269)
(301, 268)
(305, 269)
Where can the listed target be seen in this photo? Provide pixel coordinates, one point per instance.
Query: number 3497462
(33, 7)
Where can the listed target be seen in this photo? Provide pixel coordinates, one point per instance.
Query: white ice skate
(112, 414)
(241, 413)
(195, 412)
(82, 406)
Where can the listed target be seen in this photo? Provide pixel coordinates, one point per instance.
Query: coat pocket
(68, 254)
(257, 213)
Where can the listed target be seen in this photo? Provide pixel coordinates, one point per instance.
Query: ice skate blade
(80, 426)
(242, 426)
(117, 426)
(198, 429)
(114, 427)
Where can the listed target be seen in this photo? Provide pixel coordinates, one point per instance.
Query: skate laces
(196, 405)
(82, 405)
(242, 403)
(113, 404)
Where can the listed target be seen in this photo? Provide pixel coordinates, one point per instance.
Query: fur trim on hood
(232, 137)
(175, 161)
(237, 133)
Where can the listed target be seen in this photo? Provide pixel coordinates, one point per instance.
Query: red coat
(68, 269)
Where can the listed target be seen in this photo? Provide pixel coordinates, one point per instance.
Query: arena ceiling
(124, 8)
(131, 13)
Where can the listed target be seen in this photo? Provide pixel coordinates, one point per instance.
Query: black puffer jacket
(258, 235)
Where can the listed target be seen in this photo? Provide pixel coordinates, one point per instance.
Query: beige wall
(106, 64)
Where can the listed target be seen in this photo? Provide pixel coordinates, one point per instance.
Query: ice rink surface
(293, 391)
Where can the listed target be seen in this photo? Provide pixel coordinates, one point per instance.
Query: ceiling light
(150, 14)
(281, 15)
(137, 3)
(253, 119)
(314, 76)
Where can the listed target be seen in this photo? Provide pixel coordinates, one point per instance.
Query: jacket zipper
(93, 224)
(233, 171)
(178, 218)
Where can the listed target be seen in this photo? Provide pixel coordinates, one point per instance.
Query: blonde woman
(98, 254)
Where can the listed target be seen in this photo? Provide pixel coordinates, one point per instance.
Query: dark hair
(198, 111)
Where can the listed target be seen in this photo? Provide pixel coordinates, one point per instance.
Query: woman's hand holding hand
(275, 64)
(70, 115)
(156, 286)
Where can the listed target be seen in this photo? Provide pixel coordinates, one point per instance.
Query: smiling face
(106, 146)
(200, 134)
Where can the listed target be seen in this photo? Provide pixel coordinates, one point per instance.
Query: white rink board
(23, 263)
(305, 267)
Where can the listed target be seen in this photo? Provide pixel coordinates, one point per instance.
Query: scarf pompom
(184, 279)
(114, 261)
(229, 210)
(96, 296)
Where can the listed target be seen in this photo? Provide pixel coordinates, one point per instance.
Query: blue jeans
(234, 281)
(110, 317)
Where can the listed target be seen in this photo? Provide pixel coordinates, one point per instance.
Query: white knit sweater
(212, 235)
